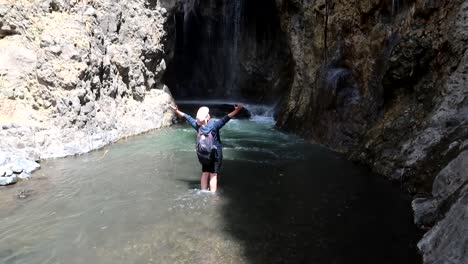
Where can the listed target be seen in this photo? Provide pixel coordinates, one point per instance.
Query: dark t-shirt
(214, 126)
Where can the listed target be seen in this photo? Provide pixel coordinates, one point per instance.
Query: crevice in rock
(119, 23)
(152, 4)
(421, 178)
(5, 32)
(53, 7)
(447, 204)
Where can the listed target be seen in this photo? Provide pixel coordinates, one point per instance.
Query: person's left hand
(174, 107)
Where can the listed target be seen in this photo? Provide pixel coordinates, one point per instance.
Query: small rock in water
(24, 175)
(25, 194)
(8, 180)
(16, 169)
(28, 165)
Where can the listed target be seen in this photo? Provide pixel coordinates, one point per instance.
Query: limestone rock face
(77, 75)
(385, 82)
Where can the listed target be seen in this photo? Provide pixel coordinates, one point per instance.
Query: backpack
(205, 147)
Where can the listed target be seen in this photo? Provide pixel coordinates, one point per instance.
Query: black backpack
(205, 147)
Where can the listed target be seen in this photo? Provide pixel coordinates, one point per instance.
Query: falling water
(334, 76)
(395, 7)
(232, 27)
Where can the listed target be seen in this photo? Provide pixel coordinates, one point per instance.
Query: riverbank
(77, 76)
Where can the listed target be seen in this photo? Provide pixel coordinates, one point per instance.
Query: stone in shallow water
(16, 169)
(25, 194)
(8, 180)
(28, 166)
(24, 175)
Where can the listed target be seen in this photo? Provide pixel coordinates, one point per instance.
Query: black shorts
(215, 165)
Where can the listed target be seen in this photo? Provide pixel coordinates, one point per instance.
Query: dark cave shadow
(319, 210)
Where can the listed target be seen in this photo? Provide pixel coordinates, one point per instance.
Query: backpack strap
(210, 133)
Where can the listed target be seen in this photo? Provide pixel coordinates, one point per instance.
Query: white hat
(202, 114)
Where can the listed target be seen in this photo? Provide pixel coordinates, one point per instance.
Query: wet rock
(452, 177)
(449, 206)
(24, 176)
(447, 241)
(28, 166)
(16, 169)
(8, 180)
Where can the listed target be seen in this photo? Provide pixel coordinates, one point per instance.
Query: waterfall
(334, 76)
(232, 29)
(228, 49)
(395, 7)
(262, 113)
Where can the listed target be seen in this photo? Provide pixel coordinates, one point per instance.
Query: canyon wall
(385, 82)
(76, 75)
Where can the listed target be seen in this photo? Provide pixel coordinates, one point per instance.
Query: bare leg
(213, 182)
(204, 180)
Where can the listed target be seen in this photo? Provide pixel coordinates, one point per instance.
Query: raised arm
(237, 109)
(220, 123)
(189, 119)
(175, 108)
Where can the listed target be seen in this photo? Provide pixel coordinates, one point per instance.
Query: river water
(281, 200)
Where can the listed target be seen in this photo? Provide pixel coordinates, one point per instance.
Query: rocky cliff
(386, 83)
(76, 75)
(382, 81)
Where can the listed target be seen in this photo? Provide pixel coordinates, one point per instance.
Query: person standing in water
(204, 125)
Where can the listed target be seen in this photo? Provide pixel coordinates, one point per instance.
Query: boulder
(27, 165)
(447, 242)
(24, 175)
(8, 180)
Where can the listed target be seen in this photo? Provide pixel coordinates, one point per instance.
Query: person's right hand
(238, 107)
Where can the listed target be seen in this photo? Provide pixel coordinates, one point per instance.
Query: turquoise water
(281, 200)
